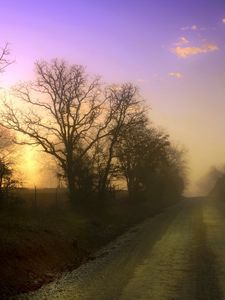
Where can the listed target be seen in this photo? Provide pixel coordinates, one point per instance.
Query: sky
(173, 50)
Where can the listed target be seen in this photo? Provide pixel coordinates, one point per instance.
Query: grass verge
(38, 243)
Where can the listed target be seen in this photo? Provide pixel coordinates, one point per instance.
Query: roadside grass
(41, 240)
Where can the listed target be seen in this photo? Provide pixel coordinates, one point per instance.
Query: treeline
(216, 181)
(8, 181)
(100, 136)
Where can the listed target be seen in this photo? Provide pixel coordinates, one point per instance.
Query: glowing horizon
(174, 52)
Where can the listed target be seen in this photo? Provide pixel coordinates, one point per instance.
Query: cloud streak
(193, 28)
(185, 52)
(176, 75)
(182, 41)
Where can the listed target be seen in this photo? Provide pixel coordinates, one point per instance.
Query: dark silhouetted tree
(148, 161)
(125, 108)
(141, 151)
(8, 180)
(64, 114)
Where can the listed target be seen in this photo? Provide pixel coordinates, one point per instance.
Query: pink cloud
(185, 52)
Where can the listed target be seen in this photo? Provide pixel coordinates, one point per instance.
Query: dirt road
(179, 254)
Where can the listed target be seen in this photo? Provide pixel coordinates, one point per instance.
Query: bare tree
(6, 148)
(64, 114)
(126, 108)
(4, 57)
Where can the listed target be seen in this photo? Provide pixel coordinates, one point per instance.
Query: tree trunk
(71, 187)
(103, 184)
(70, 179)
(131, 187)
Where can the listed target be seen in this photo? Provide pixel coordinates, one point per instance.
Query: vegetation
(217, 179)
(42, 239)
(7, 152)
(95, 133)
(118, 169)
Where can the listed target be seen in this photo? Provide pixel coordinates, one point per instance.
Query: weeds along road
(179, 254)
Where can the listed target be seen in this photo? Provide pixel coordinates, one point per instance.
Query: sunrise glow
(174, 52)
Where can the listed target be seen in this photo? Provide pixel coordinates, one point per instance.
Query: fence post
(35, 197)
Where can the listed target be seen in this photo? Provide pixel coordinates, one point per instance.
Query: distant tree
(65, 114)
(218, 190)
(214, 182)
(173, 176)
(208, 181)
(4, 57)
(141, 152)
(148, 161)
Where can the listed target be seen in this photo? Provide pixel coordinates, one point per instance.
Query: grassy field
(43, 237)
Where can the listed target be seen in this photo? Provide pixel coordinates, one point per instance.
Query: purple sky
(174, 50)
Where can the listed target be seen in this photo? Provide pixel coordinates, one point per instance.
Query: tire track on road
(204, 264)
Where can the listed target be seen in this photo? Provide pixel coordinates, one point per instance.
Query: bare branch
(4, 57)
(64, 113)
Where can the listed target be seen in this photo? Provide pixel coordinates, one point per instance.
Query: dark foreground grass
(38, 242)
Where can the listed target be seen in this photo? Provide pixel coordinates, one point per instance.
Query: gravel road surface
(178, 254)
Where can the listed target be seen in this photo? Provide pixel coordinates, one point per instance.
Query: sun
(29, 166)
